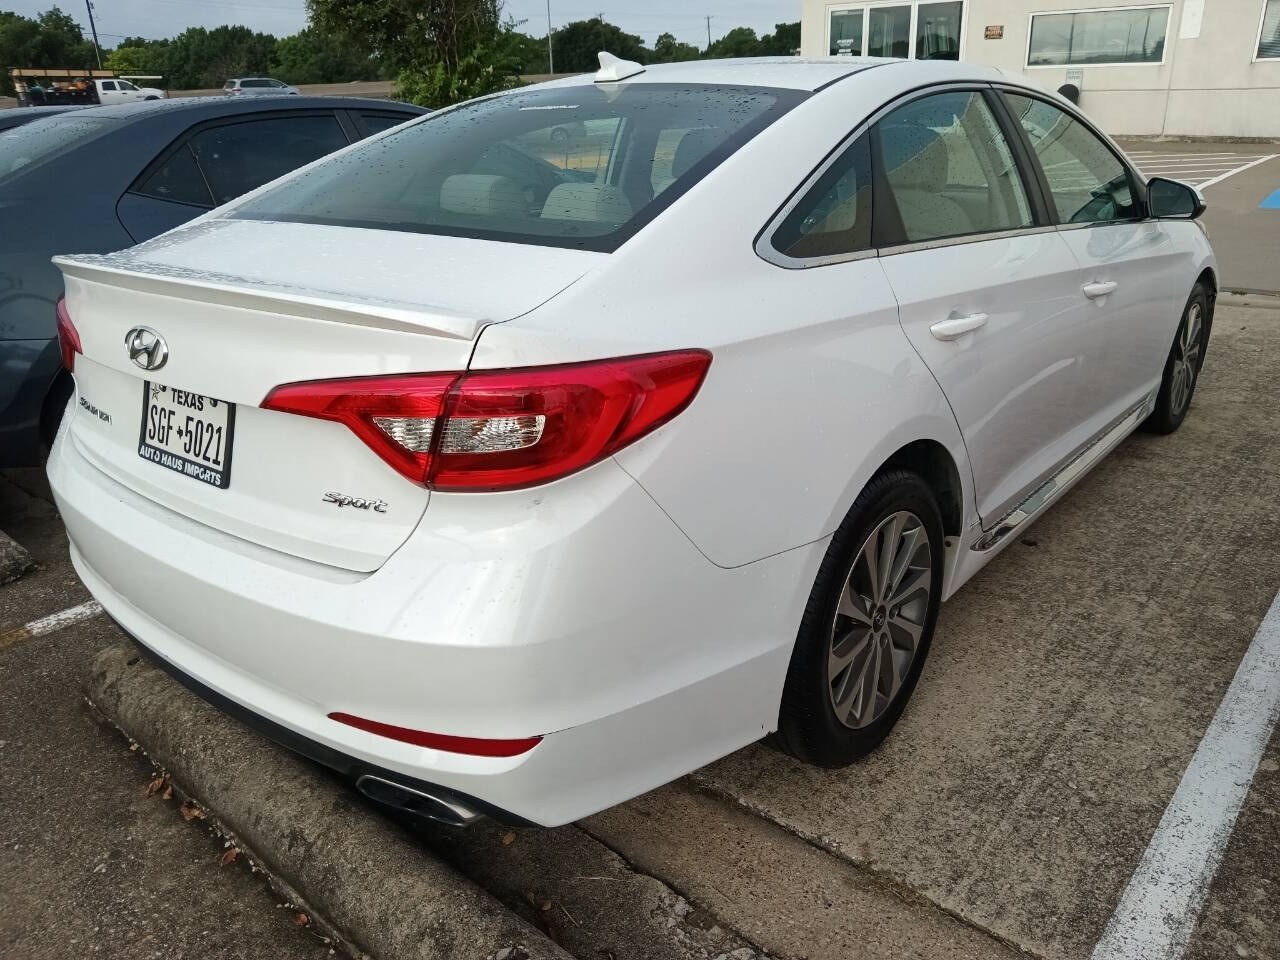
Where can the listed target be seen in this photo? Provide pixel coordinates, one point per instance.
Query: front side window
(581, 166)
(1269, 34)
(949, 169)
(239, 157)
(1087, 181)
(834, 217)
(1122, 35)
(126, 85)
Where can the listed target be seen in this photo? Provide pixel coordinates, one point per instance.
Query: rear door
(1133, 275)
(986, 288)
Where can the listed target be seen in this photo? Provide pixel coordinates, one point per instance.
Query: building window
(1269, 32)
(920, 31)
(1122, 35)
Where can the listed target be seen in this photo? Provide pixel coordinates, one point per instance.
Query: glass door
(920, 31)
(845, 33)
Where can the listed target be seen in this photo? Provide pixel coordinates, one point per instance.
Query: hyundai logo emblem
(146, 348)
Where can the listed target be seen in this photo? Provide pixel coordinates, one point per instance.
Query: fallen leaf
(191, 810)
(301, 919)
(509, 838)
(229, 856)
(155, 785)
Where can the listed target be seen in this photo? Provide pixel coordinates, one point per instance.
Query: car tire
(1183, 365)
(842, 696)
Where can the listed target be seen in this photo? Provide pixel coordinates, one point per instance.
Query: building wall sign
(994, 31)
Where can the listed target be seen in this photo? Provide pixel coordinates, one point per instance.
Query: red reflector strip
(474, 746)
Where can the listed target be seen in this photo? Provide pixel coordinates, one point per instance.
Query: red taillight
(68, 336)
(474, 746)
(504, 429)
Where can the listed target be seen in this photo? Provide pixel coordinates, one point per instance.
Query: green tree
(484, 69)
(52, 39)
(200, 58)
(738, 42)
(783, 42)
(412, 33)
(577, 43)
(312, 56)
(668, 49)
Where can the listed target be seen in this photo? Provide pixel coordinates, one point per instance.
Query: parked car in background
(20, 115)
(102, 178)
(526, 487)
(258, 87)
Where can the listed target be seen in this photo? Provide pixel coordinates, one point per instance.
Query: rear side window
(239, 157)
(949, 169)
(1087, 182)
(834, 217)
(108, 84)
(377, 122)
(178, 179)
(581, 166)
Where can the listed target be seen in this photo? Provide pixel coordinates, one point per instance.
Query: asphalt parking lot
(1066, 699)
(1241, 183)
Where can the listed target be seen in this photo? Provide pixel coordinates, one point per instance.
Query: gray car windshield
(33, 143)
(578, 166)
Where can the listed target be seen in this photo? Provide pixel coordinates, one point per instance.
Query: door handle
(953, 328)
(1099, 288)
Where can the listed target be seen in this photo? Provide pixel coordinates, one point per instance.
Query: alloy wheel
(880, 619)
(1186, 359)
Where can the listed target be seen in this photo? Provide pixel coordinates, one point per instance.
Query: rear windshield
(580, 166)
(33, 143)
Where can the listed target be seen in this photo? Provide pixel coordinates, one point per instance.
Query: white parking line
(54, 621)
(1160, 906)
(1232, 173)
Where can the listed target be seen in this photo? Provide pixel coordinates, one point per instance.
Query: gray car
(100, 179)
(258, 87)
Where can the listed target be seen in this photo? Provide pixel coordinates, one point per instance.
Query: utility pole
(551, 60)
(708, 34)
(97, 51)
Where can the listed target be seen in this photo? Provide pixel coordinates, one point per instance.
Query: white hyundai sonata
(518, 474)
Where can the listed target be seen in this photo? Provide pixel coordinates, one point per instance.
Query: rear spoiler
(234, 291)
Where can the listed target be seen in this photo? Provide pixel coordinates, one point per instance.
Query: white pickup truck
(90, 90)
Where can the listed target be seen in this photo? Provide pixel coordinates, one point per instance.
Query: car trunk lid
(242, 307)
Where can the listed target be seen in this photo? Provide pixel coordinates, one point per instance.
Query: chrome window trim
(764, 247)
(965, 238)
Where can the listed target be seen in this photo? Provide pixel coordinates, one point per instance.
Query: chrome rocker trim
(1075, 468)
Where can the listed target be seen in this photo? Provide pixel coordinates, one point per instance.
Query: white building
(1180, 68)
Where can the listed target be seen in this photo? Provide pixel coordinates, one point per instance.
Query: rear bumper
(577, 612)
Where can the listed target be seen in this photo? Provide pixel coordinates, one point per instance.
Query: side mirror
(1170, 198)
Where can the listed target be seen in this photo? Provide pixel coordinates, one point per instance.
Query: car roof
(795, 73)
(202, 108)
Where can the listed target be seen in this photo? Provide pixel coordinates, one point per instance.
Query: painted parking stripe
(1159, 907)
(55, 621)
(1232, 173)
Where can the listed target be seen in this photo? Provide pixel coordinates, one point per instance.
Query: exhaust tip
(440, 807)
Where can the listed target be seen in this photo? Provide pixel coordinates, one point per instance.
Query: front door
(1131, 272)
(987, 293)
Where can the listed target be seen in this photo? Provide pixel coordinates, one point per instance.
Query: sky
(157, 19)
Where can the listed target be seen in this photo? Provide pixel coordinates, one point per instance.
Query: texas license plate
(187, 432)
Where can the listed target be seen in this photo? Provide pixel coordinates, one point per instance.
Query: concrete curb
(375, 889)
(14, 559)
